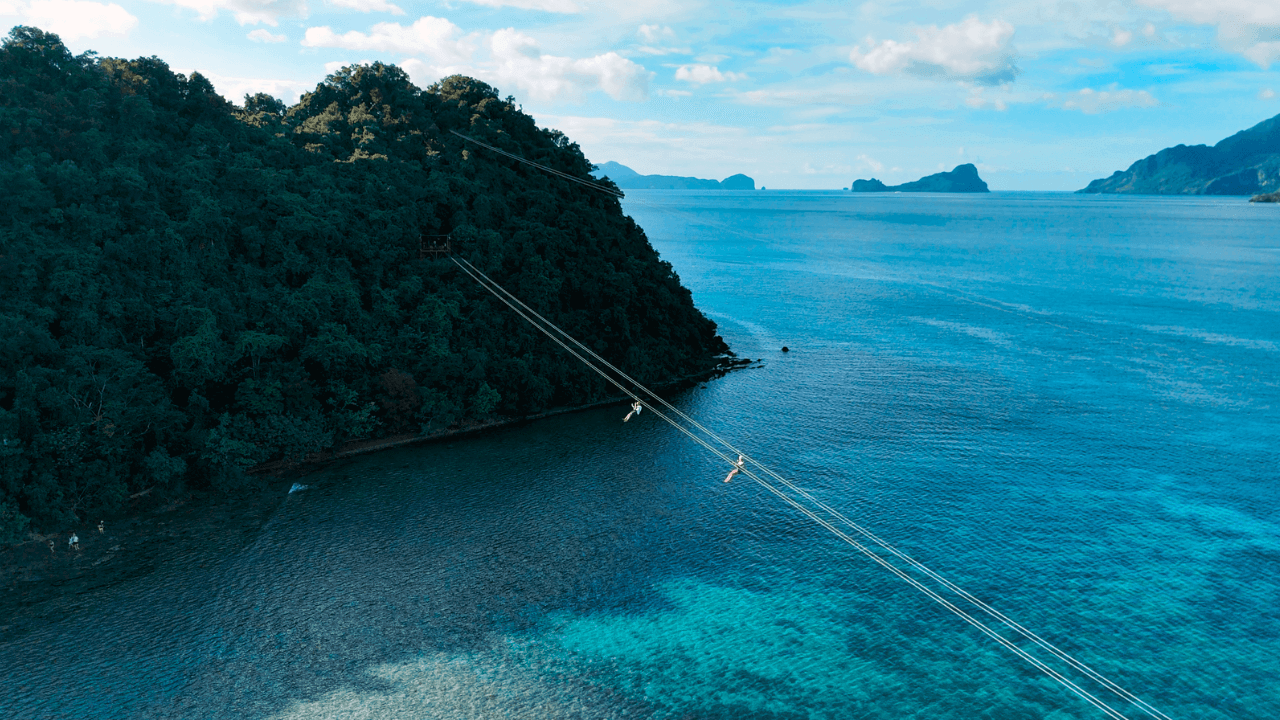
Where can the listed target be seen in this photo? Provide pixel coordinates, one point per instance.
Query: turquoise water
(1068, 405)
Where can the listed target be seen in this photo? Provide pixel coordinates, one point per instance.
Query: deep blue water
(1068, 405)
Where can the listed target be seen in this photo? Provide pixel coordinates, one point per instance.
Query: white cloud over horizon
(551, 6)
(520, 61)
(246, 12)
(265, 36)
(368, 6)
(72, 19)
(970, 50)
(1092, 102)
(436, 38)
(437, 47)
(703, 74)
(1249, 27)
(235, 88)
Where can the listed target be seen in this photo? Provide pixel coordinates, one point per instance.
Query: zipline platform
(434, 245)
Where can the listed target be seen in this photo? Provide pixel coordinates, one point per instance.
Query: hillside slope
(192, 288)
(1246, 163)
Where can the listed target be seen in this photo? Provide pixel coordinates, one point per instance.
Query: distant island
(1246, 163)
(628, 179)
(964, 179)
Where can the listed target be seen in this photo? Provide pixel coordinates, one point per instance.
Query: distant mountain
(1246, 163)
(964, 179)
(628, 179)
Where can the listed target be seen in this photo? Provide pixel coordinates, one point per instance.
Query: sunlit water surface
(1068, 405)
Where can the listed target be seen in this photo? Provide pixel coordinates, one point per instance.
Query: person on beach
(635, 410)
(52, 549)
(736, 468)
(100, 530)
(74, 542)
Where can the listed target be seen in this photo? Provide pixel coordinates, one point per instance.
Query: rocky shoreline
(40, 586)
(1266, 198)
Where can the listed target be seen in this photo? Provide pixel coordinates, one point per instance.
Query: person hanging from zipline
(737, 467)
(635, 410)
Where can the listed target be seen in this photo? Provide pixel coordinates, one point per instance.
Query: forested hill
(1246, 163)
(191, 288)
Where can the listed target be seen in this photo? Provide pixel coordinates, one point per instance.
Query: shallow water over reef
(1068, 405)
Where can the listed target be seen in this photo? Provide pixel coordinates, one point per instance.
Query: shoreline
(39, 586)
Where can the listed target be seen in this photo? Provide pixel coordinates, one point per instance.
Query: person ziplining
(737, 468)
(813, 507)
(635, 410)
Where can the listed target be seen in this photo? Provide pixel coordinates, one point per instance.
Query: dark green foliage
(191, 288)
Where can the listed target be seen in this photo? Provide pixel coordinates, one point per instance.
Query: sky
(1039, 94)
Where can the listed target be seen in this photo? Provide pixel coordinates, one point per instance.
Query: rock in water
(964, 179)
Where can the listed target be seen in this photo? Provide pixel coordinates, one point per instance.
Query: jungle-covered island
(1246, 163)
(628, 179)
(193, 288)
(963, 179)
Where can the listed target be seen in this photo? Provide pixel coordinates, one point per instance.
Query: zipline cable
(988, 609)
(597, 186)
(721, 226)
(553, 171)
(982, 627)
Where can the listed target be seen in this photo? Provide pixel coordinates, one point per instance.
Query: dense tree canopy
(191, 288)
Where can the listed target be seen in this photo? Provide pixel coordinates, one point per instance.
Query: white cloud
(826, 97)
(1263, 53)
(436, 38)
(265, 36)
(1267, 94)
(969, 50)
(1213, 12)
(1149, 30)
(246, 12)
(1092, 102)
(554, 6)
(73, 19)
(438, 48)
(368, 6)
(655, 50)
(977, 100)
(653, 37)
(703, 74)
(1249, 27)
(869, 163)
(1121, 38)
(235, 88)
(697, 149)
(655, 33)
(519, 61)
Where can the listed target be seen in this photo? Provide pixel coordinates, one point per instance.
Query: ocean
(1067, 405)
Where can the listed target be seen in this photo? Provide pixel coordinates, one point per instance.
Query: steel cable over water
(988, 609)
(499, 292)
(489, 285)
